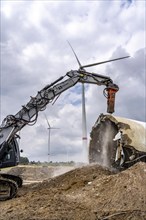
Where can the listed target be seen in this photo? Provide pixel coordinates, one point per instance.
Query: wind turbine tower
(84, 125)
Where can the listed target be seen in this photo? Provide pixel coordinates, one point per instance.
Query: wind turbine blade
(94, 64)
(75, 54)
(47, 120)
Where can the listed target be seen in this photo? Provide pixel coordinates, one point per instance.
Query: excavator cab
(11, 153)
(10, 157)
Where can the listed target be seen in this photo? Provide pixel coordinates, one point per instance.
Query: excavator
(12, 124)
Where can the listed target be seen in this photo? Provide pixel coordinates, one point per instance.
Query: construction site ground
(89, 192)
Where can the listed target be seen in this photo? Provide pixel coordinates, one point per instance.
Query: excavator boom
(29, 113)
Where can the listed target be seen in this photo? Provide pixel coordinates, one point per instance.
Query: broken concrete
(117, 141)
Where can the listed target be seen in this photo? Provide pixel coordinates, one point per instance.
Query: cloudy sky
(35, 52)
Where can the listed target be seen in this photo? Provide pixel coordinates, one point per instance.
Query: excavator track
(8, 188)
(16, 179)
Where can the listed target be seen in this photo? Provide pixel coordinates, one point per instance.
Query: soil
(87, 193)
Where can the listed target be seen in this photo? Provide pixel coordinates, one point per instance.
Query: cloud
(35, 52)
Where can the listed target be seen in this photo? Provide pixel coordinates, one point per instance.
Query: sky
(35, 52)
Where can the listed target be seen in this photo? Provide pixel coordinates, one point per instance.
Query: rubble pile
(90, 193)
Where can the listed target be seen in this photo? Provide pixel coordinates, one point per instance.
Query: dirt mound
(89, 193)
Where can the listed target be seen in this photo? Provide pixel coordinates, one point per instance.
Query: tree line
(25, 161)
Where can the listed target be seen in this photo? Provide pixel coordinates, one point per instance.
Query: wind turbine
(84, 124)
(49, 138)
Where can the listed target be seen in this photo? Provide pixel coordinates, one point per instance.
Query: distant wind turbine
(49, 138)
